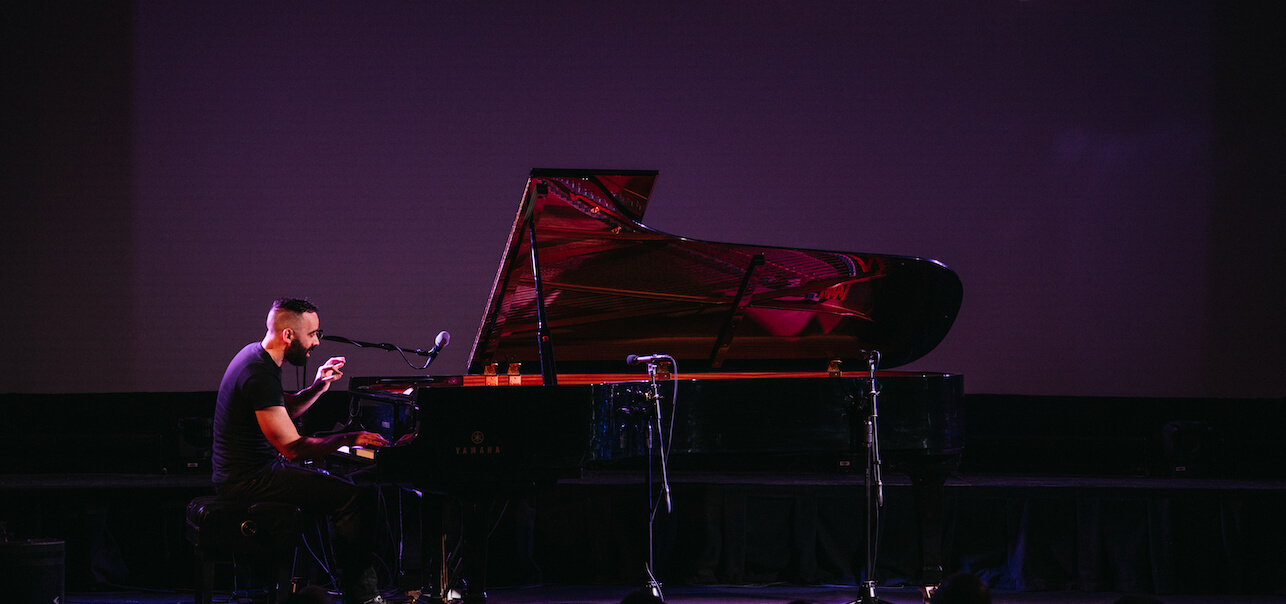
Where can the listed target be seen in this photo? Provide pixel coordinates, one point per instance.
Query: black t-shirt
(252, 382)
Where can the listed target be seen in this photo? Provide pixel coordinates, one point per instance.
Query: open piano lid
(614, 287)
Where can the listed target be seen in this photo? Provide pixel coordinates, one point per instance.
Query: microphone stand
(653, 416)
(875, 483)
(442, 340)
(650, 412)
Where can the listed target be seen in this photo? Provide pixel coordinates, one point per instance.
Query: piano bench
(264, 534)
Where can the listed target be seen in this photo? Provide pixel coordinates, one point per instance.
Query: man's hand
(329, 371)
(299, 402)
(368, 439)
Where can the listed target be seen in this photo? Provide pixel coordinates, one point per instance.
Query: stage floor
(1261, 562)
(776, 594)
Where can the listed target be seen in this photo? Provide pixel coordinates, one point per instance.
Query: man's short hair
(295, 305)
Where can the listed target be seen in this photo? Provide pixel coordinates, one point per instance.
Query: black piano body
(787, 423)
(450, 437)
(459, 435)
(771, 351)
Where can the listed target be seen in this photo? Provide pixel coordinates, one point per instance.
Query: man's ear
(287, 335)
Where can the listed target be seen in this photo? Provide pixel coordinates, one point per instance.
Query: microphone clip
(659, 366)
(651, 359)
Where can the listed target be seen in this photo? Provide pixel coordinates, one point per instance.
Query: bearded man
(256, 444)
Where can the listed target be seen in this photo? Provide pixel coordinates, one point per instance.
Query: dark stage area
(772, 594)
(1179, 498)
(1034, 539)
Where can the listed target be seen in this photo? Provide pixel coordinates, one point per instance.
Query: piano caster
(868, 595)
(462, 595)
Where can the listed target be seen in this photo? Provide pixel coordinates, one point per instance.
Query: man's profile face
(307, 337)
(296, 354)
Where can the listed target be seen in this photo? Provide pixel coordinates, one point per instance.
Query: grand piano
(765, 356)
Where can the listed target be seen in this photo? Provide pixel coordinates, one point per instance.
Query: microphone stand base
(652, 588)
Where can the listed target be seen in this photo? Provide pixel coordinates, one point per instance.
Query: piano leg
(424, 548)
(463, 527)
(413, 539)
(475, 525)
(928, 490)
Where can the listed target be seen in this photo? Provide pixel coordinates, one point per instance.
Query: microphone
(439, 343)
(635, 359)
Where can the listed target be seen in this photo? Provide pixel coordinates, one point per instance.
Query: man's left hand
(330, 371)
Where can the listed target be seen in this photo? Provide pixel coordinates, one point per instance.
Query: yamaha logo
(477, 448)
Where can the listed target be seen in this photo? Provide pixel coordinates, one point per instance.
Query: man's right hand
(368, 439)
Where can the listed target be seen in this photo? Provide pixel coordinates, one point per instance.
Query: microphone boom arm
(439, 343)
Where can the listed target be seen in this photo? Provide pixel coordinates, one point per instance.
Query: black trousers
(352, 510)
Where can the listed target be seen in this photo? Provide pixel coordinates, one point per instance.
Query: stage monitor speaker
(195, 443)
(1187, 448)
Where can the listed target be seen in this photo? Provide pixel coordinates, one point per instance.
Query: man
(256, 442)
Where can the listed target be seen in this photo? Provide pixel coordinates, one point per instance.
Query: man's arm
(280, 430)
(299, 402)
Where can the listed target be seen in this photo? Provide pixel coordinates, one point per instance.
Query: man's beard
(296, 354)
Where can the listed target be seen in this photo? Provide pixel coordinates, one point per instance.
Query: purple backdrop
(1104, 177)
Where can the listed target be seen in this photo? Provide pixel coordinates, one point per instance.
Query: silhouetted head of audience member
(642, 597)
(1137, 599)
(962, 588)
